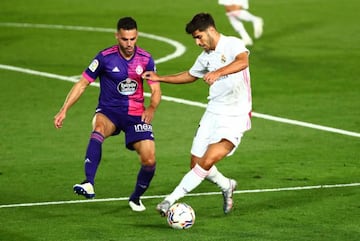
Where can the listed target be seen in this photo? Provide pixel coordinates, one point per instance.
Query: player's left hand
(148, 115)
(211, 77)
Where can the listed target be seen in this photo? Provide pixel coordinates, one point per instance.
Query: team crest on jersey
(127, 87)
(94, 64)
(139, 70)
(223, 59)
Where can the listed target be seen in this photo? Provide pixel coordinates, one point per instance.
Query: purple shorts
(134, 128)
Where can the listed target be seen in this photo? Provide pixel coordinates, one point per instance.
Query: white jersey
(230, 94)
(243, 3)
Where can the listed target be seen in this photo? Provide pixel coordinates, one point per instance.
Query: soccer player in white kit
(237, 12)
(224, 66)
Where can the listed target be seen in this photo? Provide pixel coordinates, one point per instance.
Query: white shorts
(213, 128)
(243, 3)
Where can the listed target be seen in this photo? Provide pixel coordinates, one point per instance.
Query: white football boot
(86, 189)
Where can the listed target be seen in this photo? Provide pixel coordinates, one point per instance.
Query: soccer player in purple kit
(121, 108)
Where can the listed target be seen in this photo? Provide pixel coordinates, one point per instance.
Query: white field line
(190, 194)
(272, 118)
(189, 102)
(179, 48)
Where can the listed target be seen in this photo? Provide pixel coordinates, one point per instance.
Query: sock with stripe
(190, 181)
(93, 156)
(218, 178)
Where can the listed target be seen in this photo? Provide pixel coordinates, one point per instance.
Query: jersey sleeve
(151, 67)
(198, 69)
(94, 69)
(237, 46)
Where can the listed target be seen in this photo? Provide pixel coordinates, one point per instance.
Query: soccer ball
(181, 216)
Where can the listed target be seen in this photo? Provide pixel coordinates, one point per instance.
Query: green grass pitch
(304, 68)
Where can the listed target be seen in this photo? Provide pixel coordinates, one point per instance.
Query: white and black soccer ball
(181, 216)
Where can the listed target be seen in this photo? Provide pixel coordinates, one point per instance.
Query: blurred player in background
(120, 108)
(224, 66)
(237, 12)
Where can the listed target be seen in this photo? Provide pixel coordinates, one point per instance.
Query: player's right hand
(150, 75)
(58, 119)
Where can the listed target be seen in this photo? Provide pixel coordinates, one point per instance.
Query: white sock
(245, 15)
(218, 178)
(190, 181)
(238, 26)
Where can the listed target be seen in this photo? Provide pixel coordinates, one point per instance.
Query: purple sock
(144, 177)
(93, 156)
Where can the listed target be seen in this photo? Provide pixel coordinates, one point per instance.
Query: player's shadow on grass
(150, 218)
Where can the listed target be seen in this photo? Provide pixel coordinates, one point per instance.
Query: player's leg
(230, 131)
(227, 186)
(190, 181)
(146, 152)
(197, 174)
(239, 27)
(214, 175)
(102, 128)
(139, 137)
(241, 13)
(257, 22)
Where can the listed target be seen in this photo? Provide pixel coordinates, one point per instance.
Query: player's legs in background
(239, 27)
(239, 13)
(257, 22)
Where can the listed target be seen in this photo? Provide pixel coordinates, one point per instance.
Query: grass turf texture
(305, 67)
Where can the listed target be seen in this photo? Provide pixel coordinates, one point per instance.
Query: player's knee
(206, 164)
(99, 129)
(148, 160)
(194, 160)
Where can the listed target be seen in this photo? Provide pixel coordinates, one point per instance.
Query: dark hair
(201, 22)
(126, 23)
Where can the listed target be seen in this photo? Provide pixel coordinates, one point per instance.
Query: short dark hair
(126, 23)
(201, 22)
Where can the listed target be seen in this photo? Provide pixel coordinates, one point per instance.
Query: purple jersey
(121, 85)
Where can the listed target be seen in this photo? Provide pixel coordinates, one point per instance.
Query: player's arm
(155, 99)
(180, 78)
(240, 62)
(74, 94)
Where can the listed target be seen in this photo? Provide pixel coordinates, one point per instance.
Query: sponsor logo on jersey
(127, 87)
(94, 64)
(142, 127)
